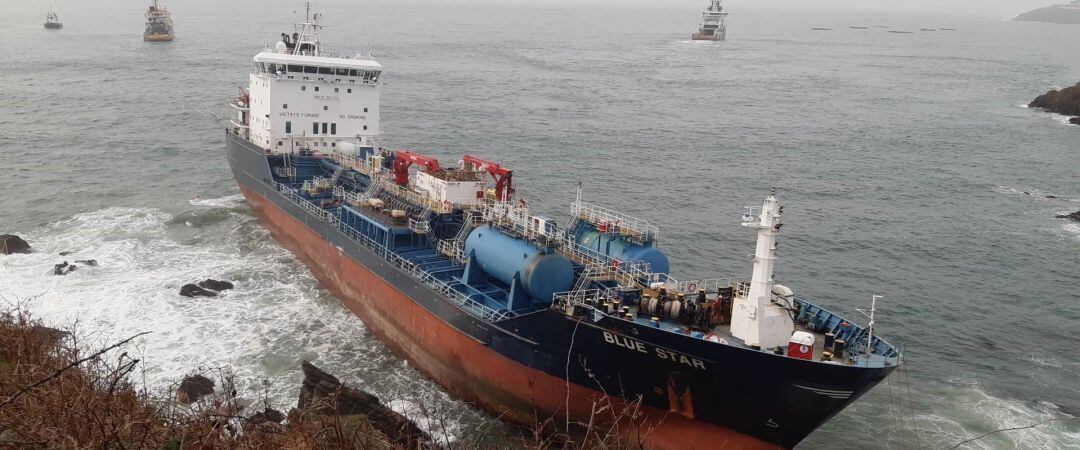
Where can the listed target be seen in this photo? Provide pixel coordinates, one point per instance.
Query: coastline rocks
(1067, 14)
(206, 288)
(10, 244)
(268, 416)
(215, 285)
(1065, 101)
(1074, 216)
(194, 388)
(191, 290)
(87, 262)
(325, 394)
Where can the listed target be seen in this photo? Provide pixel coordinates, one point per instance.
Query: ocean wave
(275, 317)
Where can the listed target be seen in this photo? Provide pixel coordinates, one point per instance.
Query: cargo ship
(159, 25)
(52, 22)
(515, 312)
(713, 23)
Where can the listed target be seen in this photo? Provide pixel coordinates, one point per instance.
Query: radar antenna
(870, 327)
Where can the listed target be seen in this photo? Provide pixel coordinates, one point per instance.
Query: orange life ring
(712, 337)
(615, 264)
(692, 287)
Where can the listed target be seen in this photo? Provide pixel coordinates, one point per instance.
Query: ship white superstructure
(301, 97)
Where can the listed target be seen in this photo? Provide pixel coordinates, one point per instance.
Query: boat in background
(52, 22)
(713, 26)
(159, 25)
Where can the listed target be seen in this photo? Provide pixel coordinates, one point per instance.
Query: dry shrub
(55, 394)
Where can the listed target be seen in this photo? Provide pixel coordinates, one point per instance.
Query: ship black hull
(518, 368)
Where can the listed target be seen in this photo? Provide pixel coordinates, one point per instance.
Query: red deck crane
(504, 185)
(405, 158)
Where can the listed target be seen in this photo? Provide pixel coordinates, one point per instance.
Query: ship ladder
(337, 174)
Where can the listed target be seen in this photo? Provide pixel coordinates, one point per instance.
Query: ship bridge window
(288, 128)
(352, 72)
(326, 71)
(342, 71)
(374, 76)
(333, 128)
(311, 69)
(314, 127)
(295, 68)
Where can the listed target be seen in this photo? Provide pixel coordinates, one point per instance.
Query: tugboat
(52, 22)
(509, 310)
(713, 27)
(159, 25)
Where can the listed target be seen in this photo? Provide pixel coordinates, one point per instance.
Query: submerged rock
(194, 388)
(1074, 216)
(64, 268)
(191, 290)
(1075, 120)
(215, 285)
(325, 394)
(10, 243)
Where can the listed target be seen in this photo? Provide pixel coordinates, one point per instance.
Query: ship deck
(487, 297)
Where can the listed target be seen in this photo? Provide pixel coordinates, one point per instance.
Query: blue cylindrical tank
(623, 249)
(503, 256)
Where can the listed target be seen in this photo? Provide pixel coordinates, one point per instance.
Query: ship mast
(307, 34)
(756, 318)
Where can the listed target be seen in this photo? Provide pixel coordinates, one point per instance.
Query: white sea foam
(968, 411)
(275, 317)
(230, 201)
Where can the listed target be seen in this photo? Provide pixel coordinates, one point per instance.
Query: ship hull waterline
(461, 364)
(465, 366)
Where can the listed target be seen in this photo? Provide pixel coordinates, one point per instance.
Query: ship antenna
(870, 327)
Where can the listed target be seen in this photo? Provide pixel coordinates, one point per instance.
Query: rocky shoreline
(1065, 102)
(49, 389)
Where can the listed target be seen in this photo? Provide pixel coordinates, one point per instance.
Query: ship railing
(419, 226)
(623, 224)
(483, 311)
(416, 198)
(576, 297)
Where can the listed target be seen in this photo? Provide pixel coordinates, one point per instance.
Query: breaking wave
(275, 317)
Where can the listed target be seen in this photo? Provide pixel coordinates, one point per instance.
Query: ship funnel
(760, 317)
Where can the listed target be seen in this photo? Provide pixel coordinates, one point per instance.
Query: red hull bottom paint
(462, 365)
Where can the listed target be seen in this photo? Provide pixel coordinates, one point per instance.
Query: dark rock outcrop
(64, 268)
(10, 243)
(215, 285)
(87, 262)
(1068, 14)
(191, 290)
(1074, 216)
(267, 415)
(1065, 101)
(325, 394)
(194, 388)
